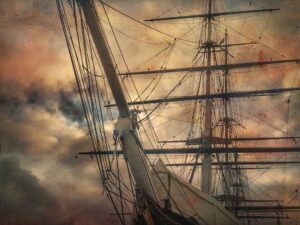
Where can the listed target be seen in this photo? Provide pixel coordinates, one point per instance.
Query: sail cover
(189, 201)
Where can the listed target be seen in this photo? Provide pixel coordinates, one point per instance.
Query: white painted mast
(130, 143)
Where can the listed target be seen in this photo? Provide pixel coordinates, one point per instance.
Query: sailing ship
(157, 184)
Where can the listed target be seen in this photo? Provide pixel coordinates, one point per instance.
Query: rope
(145, 25)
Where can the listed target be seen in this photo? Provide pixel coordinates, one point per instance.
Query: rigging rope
(143, 24)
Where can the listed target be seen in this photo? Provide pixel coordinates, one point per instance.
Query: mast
(226, 126)
(207, 161)
(129, 140)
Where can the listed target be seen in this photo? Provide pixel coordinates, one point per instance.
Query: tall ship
(179, 125)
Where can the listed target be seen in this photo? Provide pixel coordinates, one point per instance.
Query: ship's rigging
(214, 124)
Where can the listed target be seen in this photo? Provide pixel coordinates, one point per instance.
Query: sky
(42, 121)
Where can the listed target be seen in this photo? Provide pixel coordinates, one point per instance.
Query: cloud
(70, 105)
(23, 199)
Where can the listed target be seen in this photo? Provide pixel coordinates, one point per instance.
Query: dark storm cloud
(34, 97)
(70, 105)
(28, 91)
(23, 199)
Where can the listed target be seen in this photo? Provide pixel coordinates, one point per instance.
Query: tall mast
(207, 162)
(129, 140)
(226, 121)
